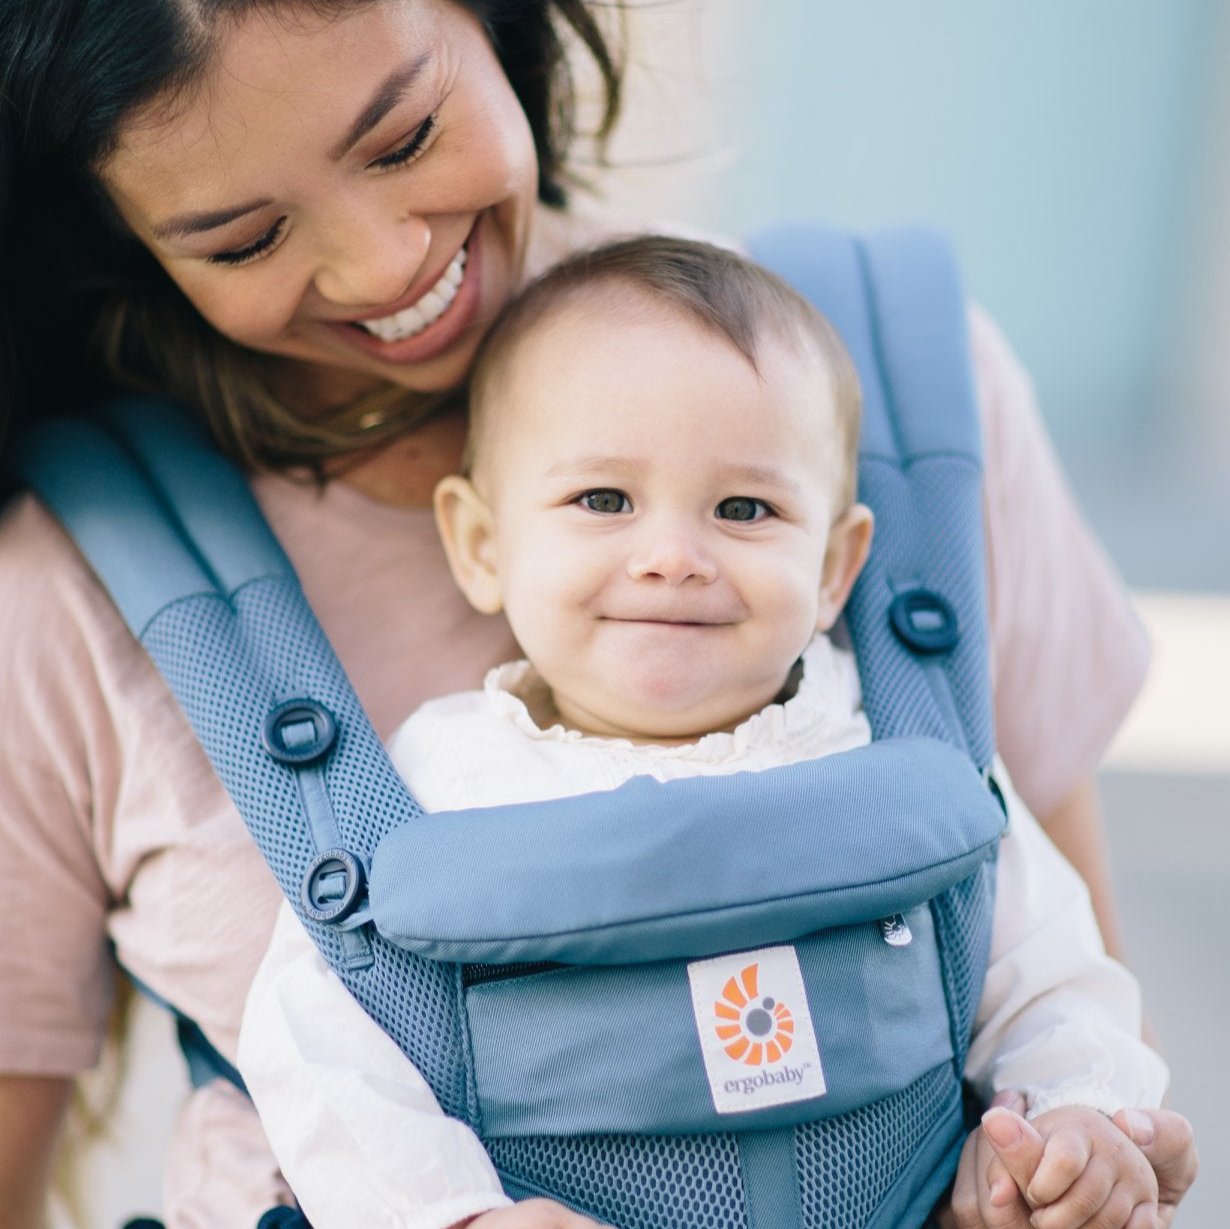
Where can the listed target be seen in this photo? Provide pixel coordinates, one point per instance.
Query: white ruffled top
(484, 748)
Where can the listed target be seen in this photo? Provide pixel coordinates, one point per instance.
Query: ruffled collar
(827, 699)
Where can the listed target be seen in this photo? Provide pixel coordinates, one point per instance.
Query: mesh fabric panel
(949, 493)
(929, 533)
(963, 927)
(847, 1165)
(634, 1181)
(414, 999)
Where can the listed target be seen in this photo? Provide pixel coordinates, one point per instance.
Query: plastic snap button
(299, 732)
(924, 621)
(332, 886)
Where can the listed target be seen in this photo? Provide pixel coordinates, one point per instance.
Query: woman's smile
(352, 190)
(427, 320)
(425, 310)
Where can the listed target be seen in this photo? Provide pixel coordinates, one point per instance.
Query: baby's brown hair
(723, 292)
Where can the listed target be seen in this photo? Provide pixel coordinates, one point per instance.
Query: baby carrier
(732, 1003)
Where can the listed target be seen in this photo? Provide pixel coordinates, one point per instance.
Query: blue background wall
(1073, 150)
(1057, 140)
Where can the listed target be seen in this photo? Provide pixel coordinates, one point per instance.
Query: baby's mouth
(426, 310)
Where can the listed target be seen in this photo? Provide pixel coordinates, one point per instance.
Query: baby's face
(660, 516)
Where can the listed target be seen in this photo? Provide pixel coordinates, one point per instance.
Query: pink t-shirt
(115, 833)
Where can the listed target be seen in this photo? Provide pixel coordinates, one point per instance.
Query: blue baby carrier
(731, 1003)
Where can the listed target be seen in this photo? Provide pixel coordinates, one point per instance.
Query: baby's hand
(533, 1214)
(1089, 1173)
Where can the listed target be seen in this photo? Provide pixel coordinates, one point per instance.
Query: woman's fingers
(984, 1195)
(1017, 1146)
(1166, 1140)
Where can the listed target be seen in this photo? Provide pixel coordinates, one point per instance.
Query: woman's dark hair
(85, 308)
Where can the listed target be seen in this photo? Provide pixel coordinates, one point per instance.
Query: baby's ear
(844, 556)
(467, 531)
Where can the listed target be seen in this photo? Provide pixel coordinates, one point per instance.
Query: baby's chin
(654, 722)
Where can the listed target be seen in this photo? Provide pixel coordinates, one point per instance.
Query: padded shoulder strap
(918, 613)
(158, 513)
(176, 537)
(216, 605)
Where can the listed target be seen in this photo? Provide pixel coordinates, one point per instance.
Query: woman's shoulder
(1007, 402)
(50, 590)
(70, 665)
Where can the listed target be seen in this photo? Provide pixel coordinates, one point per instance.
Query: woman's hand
(1167, 1142)
(984, 1195)
(531, 1214)
(1088, 1173)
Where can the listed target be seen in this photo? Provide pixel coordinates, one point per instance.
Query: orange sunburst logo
(752, 1029)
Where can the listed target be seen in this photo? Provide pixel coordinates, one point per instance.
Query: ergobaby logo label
(756, 1034)
(752, 1029)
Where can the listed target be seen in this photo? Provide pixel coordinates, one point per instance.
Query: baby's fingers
(1145, 1216)
(1117, 1211)
(1093, 1201)
(1115, 1190)
(1065, 1159)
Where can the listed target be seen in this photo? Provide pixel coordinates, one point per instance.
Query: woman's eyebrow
(185, 224)
(386, 97)
(388, 94)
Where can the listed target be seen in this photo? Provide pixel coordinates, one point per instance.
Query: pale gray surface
(1170, 848)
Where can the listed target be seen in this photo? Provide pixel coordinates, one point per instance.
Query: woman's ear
(467, 531)
(844, 556)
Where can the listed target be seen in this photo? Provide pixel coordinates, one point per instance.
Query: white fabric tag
(755, 1029)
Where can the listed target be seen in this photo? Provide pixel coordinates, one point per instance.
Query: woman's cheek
(245, 303)
(253, 314)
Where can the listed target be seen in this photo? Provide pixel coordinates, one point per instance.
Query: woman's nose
(673, 556)
(367, 260)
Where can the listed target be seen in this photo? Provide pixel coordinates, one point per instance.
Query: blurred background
(1079, 156)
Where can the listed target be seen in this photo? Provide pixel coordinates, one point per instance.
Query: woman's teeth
(427, 310)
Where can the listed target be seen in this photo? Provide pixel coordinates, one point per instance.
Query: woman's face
(353, 191)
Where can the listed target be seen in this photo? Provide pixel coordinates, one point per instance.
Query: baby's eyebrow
(594, 463)
(613, 467)
(762, 476)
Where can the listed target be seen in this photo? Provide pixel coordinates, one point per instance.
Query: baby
(659, 493)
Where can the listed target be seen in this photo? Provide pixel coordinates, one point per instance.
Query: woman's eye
(606, 502)
(250, 251)
(409, 151)
(742, 508)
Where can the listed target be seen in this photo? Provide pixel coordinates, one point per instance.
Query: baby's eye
(605, 501)
(742, 508)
